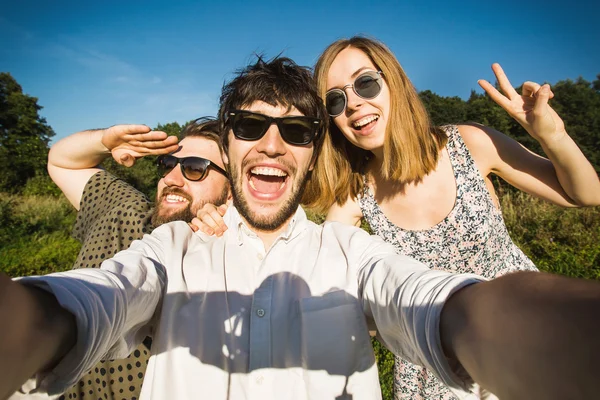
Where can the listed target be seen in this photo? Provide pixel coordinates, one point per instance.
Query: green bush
(558, 240)
(41, 185)
(35, 234)
(39, 255)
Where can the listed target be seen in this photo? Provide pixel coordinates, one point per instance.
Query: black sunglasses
(366, 86)
(295, 130)
(193, 168)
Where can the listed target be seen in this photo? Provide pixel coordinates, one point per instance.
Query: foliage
(41, 185)
(142, 175)
(35, 234)
(578, 103)
(172, 128)
(558, 240)
(385, 366)
(444, 110)
(24, 136)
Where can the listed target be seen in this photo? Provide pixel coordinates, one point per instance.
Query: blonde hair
(411, 145)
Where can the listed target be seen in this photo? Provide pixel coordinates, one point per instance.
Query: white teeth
(173, 198)
(364, 121)
(267, 171)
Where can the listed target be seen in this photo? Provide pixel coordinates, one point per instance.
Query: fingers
(494, 94)
(154, 142)
(138, 140)
(209, 219)
(503, 81)
(531, 89)
(127, 160)
(129, 129)
(193, 226)
(542, 96)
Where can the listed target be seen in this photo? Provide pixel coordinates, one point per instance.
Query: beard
(275, 220)
(161, 216)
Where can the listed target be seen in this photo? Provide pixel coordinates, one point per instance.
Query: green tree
(444, 110)
(482, 109)
(24, 136)
(172, 128)
(578, 103)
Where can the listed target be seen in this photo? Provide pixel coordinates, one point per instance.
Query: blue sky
(96, 64)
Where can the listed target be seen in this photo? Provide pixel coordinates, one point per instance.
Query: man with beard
(112, 213)
(278, 306)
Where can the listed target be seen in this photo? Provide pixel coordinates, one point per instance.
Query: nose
(174, 177)
(353, 101)
(272, 144)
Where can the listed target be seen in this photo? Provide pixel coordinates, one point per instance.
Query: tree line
(25, 135)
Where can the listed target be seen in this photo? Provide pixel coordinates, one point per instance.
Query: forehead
(198, 147)
(347, 65)
(272, 111)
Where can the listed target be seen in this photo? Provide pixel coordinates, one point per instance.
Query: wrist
(553, 140)
(104, 147)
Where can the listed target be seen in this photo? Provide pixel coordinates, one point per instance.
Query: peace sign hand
(530, 109)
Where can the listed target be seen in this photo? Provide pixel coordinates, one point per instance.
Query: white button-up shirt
(231, 320)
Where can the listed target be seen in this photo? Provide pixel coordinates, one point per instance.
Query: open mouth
(267, 180)
(173, 198)
(365, 122)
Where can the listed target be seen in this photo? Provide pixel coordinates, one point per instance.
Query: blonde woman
(427, 190)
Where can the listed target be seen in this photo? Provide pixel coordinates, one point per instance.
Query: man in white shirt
(278, 307)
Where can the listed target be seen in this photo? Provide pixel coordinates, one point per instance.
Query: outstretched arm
(36, 333)
(568, 174)
(73, 160)
(59, 325)
(527, 335)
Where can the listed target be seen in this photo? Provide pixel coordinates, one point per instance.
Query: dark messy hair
(205, 127)
(278, 82)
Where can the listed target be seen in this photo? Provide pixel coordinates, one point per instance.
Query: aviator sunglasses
(193, 168)
(366, 86)
(295, 130)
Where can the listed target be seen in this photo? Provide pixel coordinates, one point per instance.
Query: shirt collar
(238, 227)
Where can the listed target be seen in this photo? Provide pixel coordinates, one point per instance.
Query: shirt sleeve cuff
(79, 359)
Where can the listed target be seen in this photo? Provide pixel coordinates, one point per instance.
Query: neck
(378, 155)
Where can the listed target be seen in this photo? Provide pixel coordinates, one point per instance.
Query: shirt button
(259, 379)
(260, 312)
(260, 256)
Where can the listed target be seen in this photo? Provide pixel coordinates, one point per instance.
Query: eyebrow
(356, 73)
(359, 71)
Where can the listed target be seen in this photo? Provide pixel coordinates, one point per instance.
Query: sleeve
(405, 300)
(113, 307)
(102, 193)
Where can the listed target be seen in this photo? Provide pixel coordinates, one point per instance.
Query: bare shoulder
(483, 143)
(477, 136)
(348, 213)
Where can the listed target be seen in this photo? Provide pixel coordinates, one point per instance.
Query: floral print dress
(472, 238)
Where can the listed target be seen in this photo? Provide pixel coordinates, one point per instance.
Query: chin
(161, 217)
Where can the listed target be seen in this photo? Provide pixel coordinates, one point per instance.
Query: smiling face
(268, 175)
(364, 121)
(179, 199)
